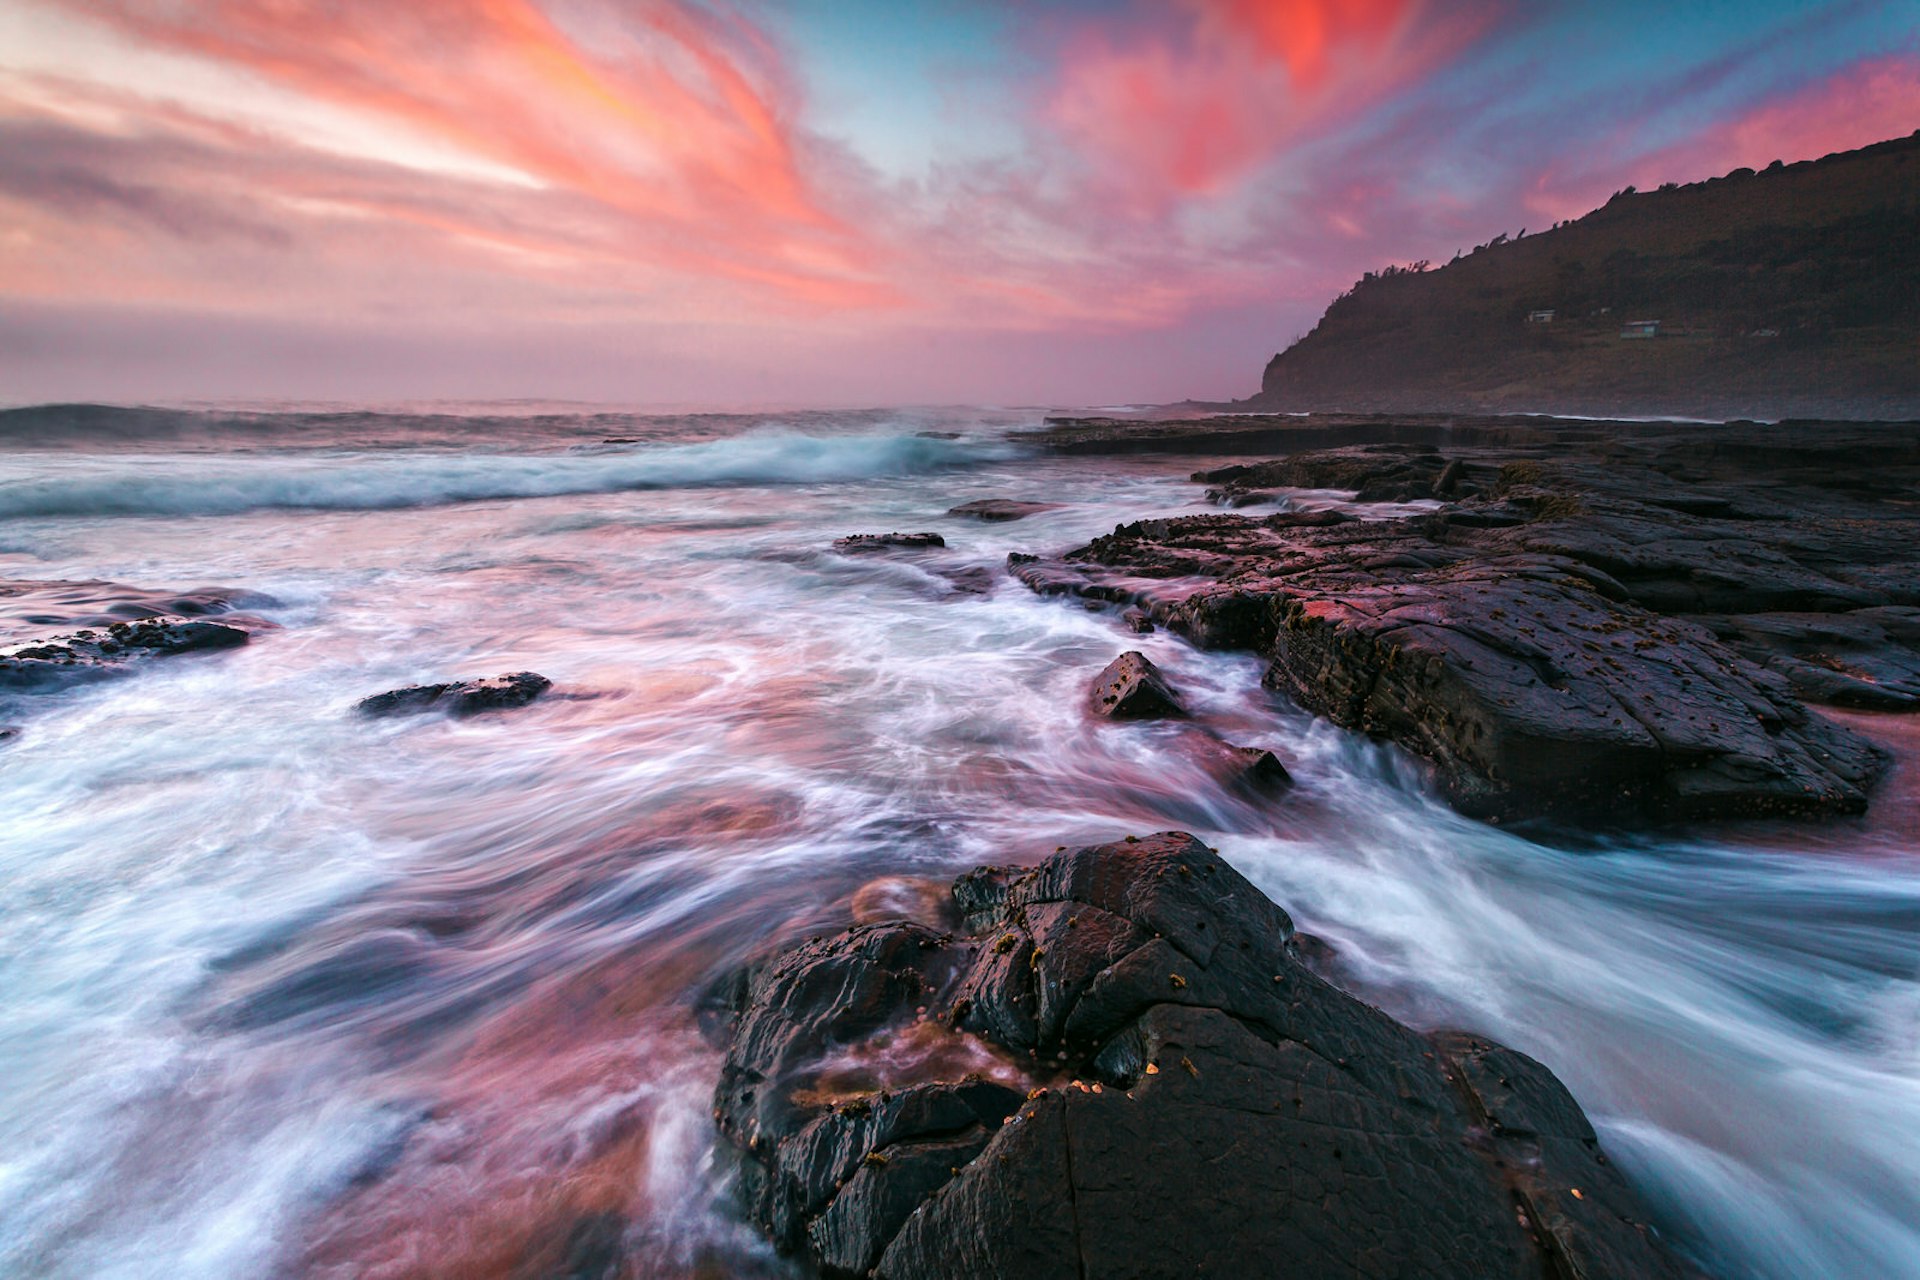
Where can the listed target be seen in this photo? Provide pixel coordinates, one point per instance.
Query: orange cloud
(677, 121)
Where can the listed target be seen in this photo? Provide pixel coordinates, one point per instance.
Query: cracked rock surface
(1117, 1065)
(1616, 626)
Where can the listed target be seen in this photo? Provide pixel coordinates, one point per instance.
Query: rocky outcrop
(1866, 658)
(92, 653)
(996, 510)
(1615, 627)
(857, 543)
(1118, 1065)
(1374, 473)
(1132, 688)
(1794, 291)
(460, 697)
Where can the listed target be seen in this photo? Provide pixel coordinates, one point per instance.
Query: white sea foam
(248, 941)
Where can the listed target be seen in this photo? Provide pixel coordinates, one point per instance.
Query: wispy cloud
(1190, 99)
(657, 169)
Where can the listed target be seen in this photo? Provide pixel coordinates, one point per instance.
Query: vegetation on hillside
(1791, 291)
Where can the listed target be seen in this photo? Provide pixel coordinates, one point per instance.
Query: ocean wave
(160, 484)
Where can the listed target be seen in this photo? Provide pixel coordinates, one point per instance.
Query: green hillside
(1793, 291)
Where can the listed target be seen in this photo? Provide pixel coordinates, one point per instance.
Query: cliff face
(1790, 292)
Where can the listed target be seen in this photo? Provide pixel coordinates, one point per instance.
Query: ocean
(292, 992)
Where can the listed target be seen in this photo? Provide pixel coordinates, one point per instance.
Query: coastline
(568, 869)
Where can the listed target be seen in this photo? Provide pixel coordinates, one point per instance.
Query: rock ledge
(1119, 1066)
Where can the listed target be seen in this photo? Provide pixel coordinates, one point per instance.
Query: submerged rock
(1132, 688)
(34, 607)
(1375, 473)
(855, 543)
(1193, 1101)
(1251, 769)
(1001, 509)
(95, 653)
(459, 698)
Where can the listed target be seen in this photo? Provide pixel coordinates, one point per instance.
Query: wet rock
(96, 653)
(970, 580)
(34, 607)
(1132, 688)
(1376, 473)
(1624, 627)
(1235, 497)
(1252, 769)
(1197, 1102)
(1001, 509)
(1866, 658)
(591, 1247)
(1137, 621)
(459, 698)
(857, 543)
(350, 973)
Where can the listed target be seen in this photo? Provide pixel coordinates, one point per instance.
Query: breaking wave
(161, 485)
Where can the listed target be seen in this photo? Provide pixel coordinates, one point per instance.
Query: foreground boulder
(855, 543)
(1132, 688)
(1119, 1066)
(460, 697)
(95, 653)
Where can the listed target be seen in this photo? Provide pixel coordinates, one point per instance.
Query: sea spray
(289, 990)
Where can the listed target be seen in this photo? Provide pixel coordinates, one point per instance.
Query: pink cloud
(1870, 101)
(677, 121)
(1191, 103)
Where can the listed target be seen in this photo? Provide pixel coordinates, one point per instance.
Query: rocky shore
(1118, 1064)
(1611, 620)
(55, 635)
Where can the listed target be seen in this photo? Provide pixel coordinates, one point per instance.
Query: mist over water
(293, 992)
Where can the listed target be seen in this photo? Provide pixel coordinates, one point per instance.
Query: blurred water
(289, 992)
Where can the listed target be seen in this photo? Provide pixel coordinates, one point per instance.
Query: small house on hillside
(1542, 317)
(1641, 329)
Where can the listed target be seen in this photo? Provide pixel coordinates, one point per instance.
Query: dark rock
(970, 580)
(89, 654)
(1252, 769)
(1132, 688)
(1376, 473)
(33, 607)
(1866, 658)
(459, 698)
(855, 543)
(1195, 1101)
(1138, 622)
(1235, 497)
(351, 973)
(1001, 509)
(1534, 640)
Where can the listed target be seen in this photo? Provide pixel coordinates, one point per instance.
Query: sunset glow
(665, 200)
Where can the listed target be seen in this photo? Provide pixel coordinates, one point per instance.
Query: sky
(829, 202)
